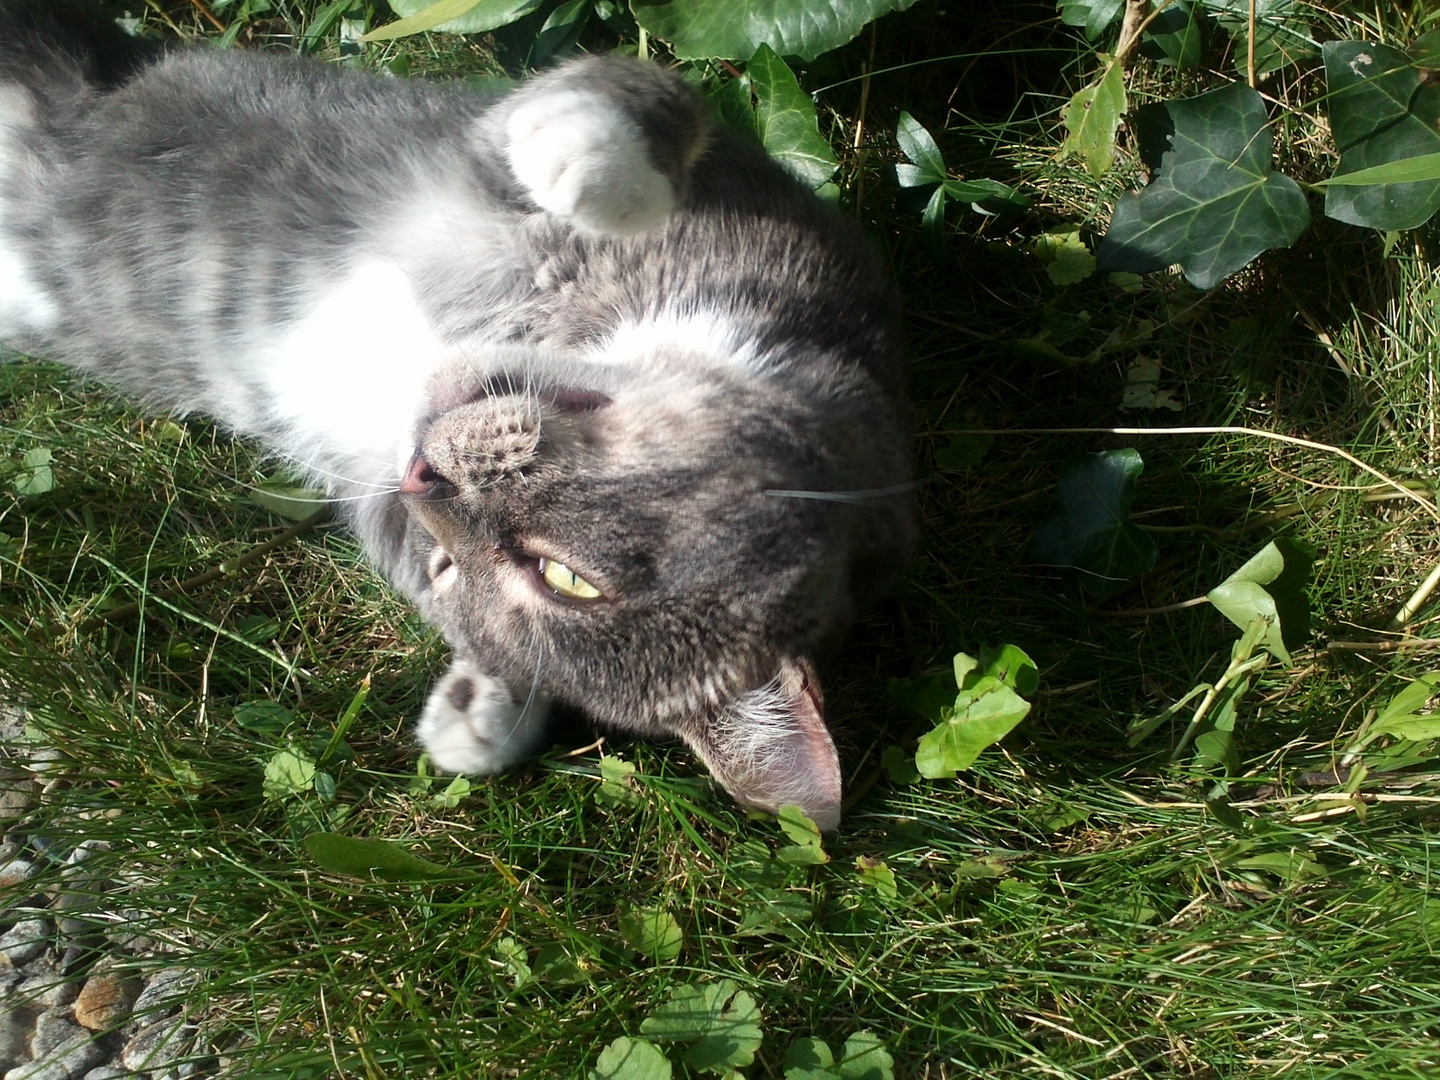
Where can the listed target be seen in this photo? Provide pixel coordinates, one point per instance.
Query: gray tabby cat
(614, 401)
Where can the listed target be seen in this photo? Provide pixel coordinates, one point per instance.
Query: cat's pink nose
(419, 478)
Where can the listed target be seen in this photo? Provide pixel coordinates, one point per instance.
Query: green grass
(1068, 908)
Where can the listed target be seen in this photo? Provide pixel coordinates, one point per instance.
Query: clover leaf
(719, 1020)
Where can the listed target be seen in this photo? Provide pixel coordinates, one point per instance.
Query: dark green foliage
(1382, 109)
(1090, 528)
(734, 29)
(1214, 203)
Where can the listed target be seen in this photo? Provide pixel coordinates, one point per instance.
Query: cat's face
(614, 542)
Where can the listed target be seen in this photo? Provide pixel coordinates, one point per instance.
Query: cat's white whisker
(846, 496)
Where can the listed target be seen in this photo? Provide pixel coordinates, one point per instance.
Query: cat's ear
(770, 747)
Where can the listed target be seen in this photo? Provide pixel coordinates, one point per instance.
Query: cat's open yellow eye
(566, 582)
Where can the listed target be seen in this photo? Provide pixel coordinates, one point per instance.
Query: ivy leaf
(786, 121)
(721, 1021)
(376, 860)
(1009, 663)
(988, 195)
(631, 1059)
(1175, 37)
(1094, 15)
(1092, 118)
(929, 694)
(766, 99)
(652, 932)
(451, 16)
(1090, 529)
(734, 29)
(1383, 111)
(1282, 36)
(1271, 586)
(1425, 50)
(982, 716)
(1214, 203)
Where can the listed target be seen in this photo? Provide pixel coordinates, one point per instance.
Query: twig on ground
(228, 568)
(209, 15)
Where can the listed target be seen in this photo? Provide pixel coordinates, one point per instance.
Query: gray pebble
(24, 941)
(16, 1023)
(156, 1047)
(15, 871)
(165, 991)
(17, 797)
(61, 1051)
(106, 1072)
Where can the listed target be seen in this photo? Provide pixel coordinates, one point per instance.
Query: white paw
(473, 723)
(581, 159)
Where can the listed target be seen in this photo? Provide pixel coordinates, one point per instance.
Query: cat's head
(651, 550)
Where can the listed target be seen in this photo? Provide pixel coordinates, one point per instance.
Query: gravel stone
(61, 1051)
(155, 1048)
(165, 991)
(16, 1023)
(15, 870)
(24, 941)
(17, 796)
(36, 979)
(106, 1072)
(105, 1001)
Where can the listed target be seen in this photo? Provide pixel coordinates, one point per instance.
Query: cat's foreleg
(475, 723)
(606, 144)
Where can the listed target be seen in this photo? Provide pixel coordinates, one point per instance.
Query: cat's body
(561, 343)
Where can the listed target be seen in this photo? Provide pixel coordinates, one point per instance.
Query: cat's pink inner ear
(770, 747)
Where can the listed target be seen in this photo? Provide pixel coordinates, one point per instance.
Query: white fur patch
(24, 307)
(472, 723)
(657, 339)
(581, 159)
(353, 371)
(773, 757)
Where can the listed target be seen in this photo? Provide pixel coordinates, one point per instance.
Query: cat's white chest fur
(24, 306)
(353, 372)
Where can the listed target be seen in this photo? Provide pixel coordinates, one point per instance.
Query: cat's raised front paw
(473, 723)
(581, 158)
